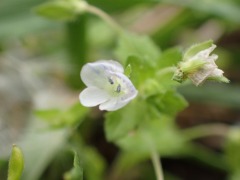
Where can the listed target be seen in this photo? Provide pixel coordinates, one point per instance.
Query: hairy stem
(105, 17)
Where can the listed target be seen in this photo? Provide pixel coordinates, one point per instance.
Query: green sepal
(219, 79)
(191, 66)
(194, 49)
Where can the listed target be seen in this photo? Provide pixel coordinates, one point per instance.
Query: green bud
(16, 164)
(61, 9)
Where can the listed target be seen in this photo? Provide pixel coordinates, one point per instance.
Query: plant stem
(105, 17)
(157, 164)
(199, 131)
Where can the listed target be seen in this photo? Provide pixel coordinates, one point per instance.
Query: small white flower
(209, 70)
(107, 86)
(199, 65)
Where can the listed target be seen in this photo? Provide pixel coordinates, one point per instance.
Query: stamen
(110, 81)
(118, 88)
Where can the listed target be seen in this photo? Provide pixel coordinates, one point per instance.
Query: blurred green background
(40, 61)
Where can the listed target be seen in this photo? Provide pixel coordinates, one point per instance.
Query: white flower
(209, 69)
(107, 86)
(198, 65)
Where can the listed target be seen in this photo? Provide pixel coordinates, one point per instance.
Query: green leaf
(169, 57)
(76, 173)
(94, 164)
(47, 115)
(58, 10)
(213, 94)
(159, 133)
(16, 164)
(123, 121)
(170, 102)
(139, 46)
(140, 70)
(41, 143)
(232, 149)
(150, 87)
(166, 64)
(235, 176)
(58, 118)
(193, 50)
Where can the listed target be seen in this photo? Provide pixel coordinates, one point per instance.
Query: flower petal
(205, 53)
(216, 73)
(97, 74)
(112, 65)
(128, 91)
(93, 96)
(202, 74)
(94, 75)
(123, 95)
(112, 105)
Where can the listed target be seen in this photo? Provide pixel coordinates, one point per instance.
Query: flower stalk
(157, 165)
(104, 16)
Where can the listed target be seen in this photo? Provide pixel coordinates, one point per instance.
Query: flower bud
(16, 164)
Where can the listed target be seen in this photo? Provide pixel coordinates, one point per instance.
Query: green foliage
(16, 164)
(153, 133)
(225, 9)
(59, 10)
(76, 173)
(77, 48)
(141, 70)
(147, 122)
(169, 57)
(94, 164)
(169, 103)
(128, 70)
(165, 64)
(235, 176)
(232, 148)
(118, 124)
(57, 118)
(138, 46)
(41, 143)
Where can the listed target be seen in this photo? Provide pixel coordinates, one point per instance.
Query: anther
(118, 88)
(110, 81)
